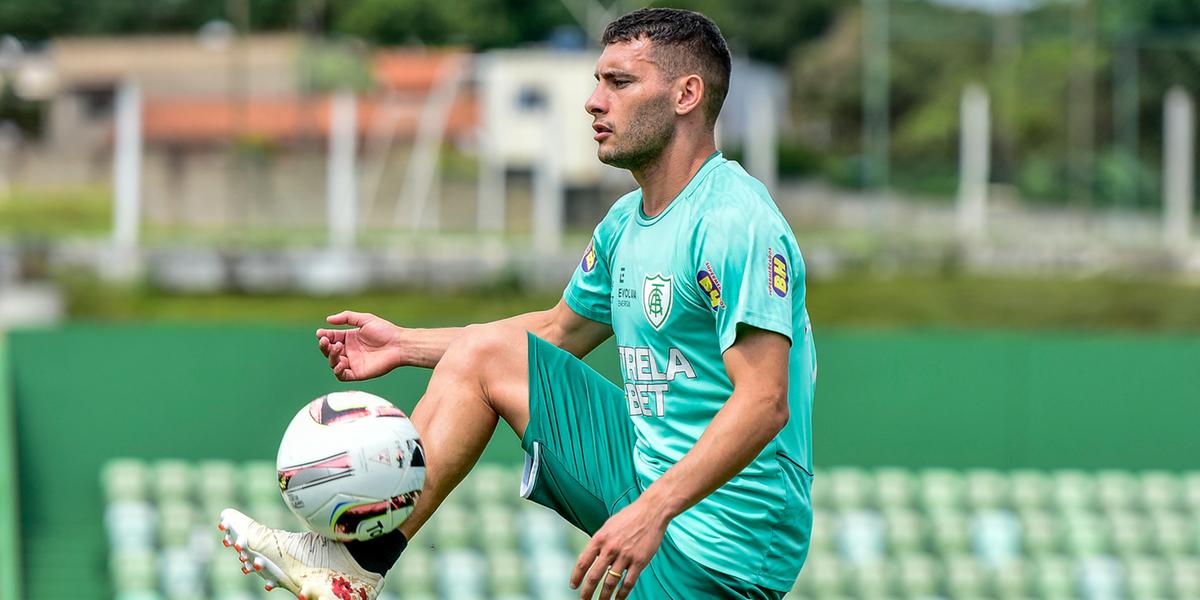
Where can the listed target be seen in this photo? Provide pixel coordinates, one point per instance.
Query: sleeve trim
(759, 321)
(578, 306)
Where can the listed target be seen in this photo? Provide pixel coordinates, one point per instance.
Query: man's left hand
(625, 544)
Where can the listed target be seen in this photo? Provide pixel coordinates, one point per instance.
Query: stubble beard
(648, 133)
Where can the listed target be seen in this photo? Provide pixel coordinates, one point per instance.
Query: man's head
(661, 69)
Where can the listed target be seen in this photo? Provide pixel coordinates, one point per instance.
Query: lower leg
(478, 381)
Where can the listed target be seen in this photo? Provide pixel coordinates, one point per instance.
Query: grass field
(872, 302)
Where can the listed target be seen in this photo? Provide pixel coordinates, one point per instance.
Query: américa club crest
(657, 292)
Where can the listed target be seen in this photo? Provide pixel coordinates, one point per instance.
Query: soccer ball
(351, 466)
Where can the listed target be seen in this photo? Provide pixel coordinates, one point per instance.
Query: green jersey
(675, 288)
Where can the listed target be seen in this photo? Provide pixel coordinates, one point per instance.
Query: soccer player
(693, 478)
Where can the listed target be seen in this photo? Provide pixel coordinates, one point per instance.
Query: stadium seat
(986, 490)
(941, 490)
(134, 570)
(496, 527)
(1159, 491)
(1190, 492)
(1116, 490)
(176, 520)
(916, 575)
(413, 574)
(904, 531)
(995, 537)
(1040, 534)
(1184, 576)
(1028, 490)
(182, 575)
(131, 525)
(1145, 577)
(1085, 535)
(1101, 578)
(1128, 533)
(217, 482)
(861, 537)
(506, 574)
(1053, 577)
(948, 533)
(1168, 533)
(1009, 580)
(1072, 491)
(172, 480)
(453, 527)
(964, 578)
(258, 482)
(869, 580)
(849, 488)
(822, 576)
(461, 573)
(893, 488)
(125, 480)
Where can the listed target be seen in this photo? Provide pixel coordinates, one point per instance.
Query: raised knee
(483, 343)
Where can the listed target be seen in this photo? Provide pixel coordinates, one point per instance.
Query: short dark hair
(685, 42)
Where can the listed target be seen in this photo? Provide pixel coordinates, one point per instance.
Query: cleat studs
(221, 526)
(269, 586)
(225, 542)
(301, 597)
(245, 571)
(244, 558)
(258, 564)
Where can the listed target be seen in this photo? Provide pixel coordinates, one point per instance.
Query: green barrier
(10, 549)
(84, 394)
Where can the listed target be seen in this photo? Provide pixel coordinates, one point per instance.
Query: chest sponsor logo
(657, 295)
(777, 273)
(710, 286)
(589, 258)
(648, 381)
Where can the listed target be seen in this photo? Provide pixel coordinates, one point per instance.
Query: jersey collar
(713, 161)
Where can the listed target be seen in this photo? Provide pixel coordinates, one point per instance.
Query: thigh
(673, 576)
(579, 440)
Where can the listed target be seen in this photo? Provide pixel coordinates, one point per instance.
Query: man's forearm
(737, 434)
(425, 347)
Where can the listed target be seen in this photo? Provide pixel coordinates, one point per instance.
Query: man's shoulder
(732, 197)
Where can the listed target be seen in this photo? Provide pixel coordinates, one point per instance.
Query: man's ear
(689, 94)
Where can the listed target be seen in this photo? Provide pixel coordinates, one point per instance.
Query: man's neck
(663, 179)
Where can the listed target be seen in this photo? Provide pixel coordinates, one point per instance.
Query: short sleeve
(744, 272)
(589, 292)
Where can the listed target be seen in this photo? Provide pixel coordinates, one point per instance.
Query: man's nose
(594, 104)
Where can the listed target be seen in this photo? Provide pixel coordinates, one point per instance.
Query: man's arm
(757, 364)
(374, 346)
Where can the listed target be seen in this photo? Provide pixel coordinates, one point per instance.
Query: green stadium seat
(491, 485)
(1168, 533)
(1084, 535)
(1159, 491)
(1010, 580)
(948, 533)
(461, 573)
(452, 527)
(824, 531)
(577, 539)
(176, 522)
(258, 483)
(1190, 492)
(506, 574)
(1145, 577)
(182, 575)
(1116, 490)
(869, 580)
(964, 577)
(904, 531)
(823, 576)
(125, 480)
(413, 573)
(1128, 533)
(916, 575)
(225, 578)
(1183, 573)
(1053, 577)
(822, 495)
(496, 527)
(1072, 491)
(1028, 490)
(172, 480)
(216, 482)
(1040, 533)
(986, 489)
(134, 570)
(849, 488)
(941, 490)
(893, 488)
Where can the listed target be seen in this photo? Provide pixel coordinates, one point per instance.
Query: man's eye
(620, 83)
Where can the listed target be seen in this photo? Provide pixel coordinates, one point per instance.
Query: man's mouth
(602, 131)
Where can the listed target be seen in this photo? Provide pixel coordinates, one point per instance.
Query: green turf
(866, 301)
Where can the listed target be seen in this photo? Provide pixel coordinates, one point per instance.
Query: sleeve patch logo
(777, 273)
(707, 278)
(589, 258)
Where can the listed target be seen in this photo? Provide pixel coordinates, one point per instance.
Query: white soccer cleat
(305, 564)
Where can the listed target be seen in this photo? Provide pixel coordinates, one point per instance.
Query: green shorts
(579, 462)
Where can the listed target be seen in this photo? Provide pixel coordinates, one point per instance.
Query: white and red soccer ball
(351, 466)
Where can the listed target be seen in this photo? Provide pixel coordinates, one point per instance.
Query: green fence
(85, 394)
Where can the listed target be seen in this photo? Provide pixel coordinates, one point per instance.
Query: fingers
(610, 580)
(348, 317)
(631, 577)
(596, 573)
(586, 558)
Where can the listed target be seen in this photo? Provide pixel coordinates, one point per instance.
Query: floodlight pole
(1179, 141)
(876, 124)
(341, 192)
(127, 167)
(974, 160)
